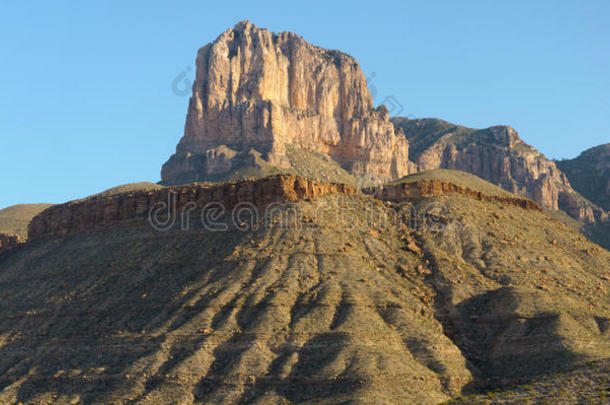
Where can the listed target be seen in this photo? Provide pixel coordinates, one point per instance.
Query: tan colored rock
(412, 191)
(498, 155)
(259, 90)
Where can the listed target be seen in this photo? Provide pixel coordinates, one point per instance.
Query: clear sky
(86, 100)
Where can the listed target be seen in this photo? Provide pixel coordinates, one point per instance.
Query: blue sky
(86, 100)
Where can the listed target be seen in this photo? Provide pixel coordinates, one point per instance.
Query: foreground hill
(335, 297)
(583, 385)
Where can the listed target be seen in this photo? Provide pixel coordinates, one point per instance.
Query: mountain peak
(496, 154)
(258, 92)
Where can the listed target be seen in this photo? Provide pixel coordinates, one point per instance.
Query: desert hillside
(338, 296)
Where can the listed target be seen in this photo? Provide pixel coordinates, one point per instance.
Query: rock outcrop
(257, 90)
(414, 191)
(498, 155)
(89, 213)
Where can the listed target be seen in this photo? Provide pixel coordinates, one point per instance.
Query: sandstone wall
(74, 216)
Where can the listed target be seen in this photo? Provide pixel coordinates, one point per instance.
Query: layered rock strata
(498, 155)
(75, 216)
(259, 90)
(71, 217)
(433, 188)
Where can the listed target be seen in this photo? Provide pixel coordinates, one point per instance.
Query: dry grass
(15, 219)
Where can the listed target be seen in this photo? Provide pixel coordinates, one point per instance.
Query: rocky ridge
(101, 210)
(256, 92)
(111, 210)
(498, 155)
(414, 191)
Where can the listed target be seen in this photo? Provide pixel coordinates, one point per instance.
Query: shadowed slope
(589, 174)
(316, 312)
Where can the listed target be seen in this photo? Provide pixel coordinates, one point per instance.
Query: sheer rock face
(498, 155)
(258, 90)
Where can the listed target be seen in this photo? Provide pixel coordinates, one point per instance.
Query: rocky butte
(256, 92)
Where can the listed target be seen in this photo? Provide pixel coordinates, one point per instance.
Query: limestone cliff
(257, 90)
(498, 155)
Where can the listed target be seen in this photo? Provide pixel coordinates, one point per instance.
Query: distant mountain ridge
(589, 174)
(15, 219)
(498, 155)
